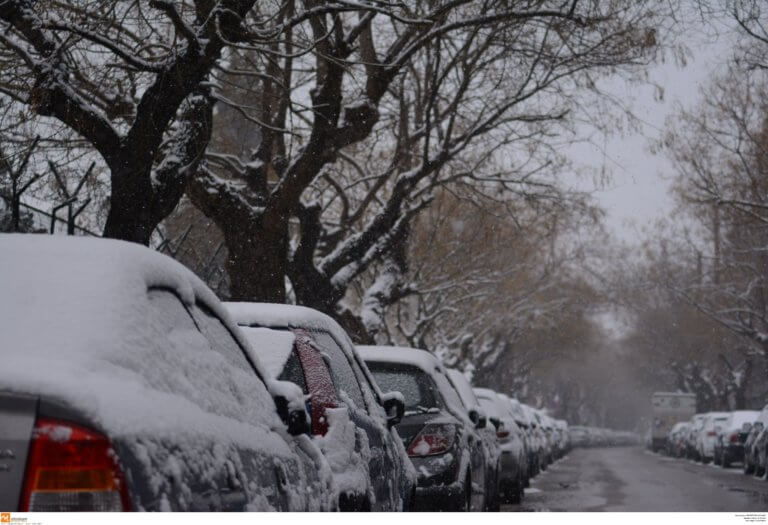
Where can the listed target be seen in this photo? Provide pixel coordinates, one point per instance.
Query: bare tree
(363, 113)
(128, 79)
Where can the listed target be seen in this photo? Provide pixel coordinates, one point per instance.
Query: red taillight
(502, 434)
(711, 434)
(433, 439)
(71, 468)
(734, 438)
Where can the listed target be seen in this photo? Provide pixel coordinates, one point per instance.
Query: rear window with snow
(197, 360)
(418, 389)
(344, 378)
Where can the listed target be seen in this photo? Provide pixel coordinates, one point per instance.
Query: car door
(375, 439)
(255, 474)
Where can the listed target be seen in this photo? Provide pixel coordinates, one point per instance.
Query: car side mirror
(394, 406)
(477, 417)
(295, 418)
(289, 401)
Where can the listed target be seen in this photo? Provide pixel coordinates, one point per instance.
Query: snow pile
(347, 451)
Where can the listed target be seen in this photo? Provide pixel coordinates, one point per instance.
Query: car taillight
(433, 439)
(711, 434)
(71, 468)
(502, 434)
(734, 438)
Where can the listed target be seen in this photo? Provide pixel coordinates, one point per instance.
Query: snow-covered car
(438, 435)
(731, 435)
(580, 436)
(535, 438)
(548, 427)
(524, 420)
(563, 443)
(676, 439)
(756, 445)
(706, 436)
(352, 421)
(514, 464)
(691, 441)
(486, 432)
(126, 386)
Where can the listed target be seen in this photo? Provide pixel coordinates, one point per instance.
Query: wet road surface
(633, 479)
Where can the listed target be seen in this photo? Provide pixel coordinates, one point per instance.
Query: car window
(450, 395)
(219, 337)
(202, 372)
(418, 389)
(293, 372)
(342, 374)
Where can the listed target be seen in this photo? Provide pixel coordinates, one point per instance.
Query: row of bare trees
(312, 134)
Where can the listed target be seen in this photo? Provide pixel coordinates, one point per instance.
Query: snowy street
(633, 479)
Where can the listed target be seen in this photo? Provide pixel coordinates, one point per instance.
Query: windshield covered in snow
(418, 389)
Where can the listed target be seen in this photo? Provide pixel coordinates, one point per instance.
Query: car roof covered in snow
(400, 354)
(424, 360)
(77, 326)
(274, 315)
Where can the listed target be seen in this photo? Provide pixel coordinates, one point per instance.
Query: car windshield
(418, 389)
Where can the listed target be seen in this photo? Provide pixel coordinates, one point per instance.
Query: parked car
(547, 425)
(755, 445)
(580, 436)
(707, 435)
(308, 348)
(563, 442)
(487, 433)
(125, 386)
(523, 420)
(691, 448)
(676, 440)
(535, 438)
(439, 436)
(514, 470)
(731, 435)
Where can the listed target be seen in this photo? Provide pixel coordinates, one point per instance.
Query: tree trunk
(130, 216)
(257, 261)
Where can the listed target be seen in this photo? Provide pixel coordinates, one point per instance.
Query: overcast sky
(638, 191)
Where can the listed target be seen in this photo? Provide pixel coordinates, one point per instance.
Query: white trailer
(667, 409)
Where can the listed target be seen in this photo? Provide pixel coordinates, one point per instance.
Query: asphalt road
(633, 479)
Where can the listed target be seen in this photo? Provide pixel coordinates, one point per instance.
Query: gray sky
(637, 193)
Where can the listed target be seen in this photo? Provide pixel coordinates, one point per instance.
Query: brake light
(433, 439)
(71, 468)
(711, 434)
(502, 434)
(734, 438)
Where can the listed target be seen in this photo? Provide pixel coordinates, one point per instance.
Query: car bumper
(734, 452)
(449, 498)
(510, 467)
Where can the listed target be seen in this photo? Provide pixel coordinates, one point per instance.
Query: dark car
(756, 445)
(352, 420)
(486, 431)
(439, 437)
(514, 463)
(126, 387)
(731, 435)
